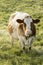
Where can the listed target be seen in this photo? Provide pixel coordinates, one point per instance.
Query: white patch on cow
(28, 25)
(21, 15)
(17, 15)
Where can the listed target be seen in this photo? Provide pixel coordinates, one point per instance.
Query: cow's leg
(22, 41)
(29, 42)
(22, 44)
(12, 40)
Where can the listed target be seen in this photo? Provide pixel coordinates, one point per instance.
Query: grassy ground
(13, 56)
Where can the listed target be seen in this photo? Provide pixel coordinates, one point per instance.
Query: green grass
(14, 56)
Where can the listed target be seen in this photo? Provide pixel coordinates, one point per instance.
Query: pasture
(14, 56)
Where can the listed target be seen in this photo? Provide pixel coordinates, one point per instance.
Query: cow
(22, 27)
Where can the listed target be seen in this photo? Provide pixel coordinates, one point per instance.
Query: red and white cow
(21, 26)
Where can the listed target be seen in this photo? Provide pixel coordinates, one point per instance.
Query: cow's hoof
(29, 48)
(23, 48)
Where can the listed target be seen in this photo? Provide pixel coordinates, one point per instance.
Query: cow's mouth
(28, 36)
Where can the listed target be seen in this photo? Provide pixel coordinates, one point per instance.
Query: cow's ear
(20, 21)
(36, 21)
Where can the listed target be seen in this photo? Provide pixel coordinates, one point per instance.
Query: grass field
(13, 56)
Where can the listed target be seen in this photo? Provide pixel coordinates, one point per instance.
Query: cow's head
(28, 25)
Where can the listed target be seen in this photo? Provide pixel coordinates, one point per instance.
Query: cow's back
(12, 26)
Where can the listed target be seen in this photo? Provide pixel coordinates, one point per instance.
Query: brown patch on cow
(21, 29)
(36, 21)
(10, 29)
(33, 29)
(24, 26)
(20, 21)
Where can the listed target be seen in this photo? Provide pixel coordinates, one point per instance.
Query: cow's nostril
(28, 31)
